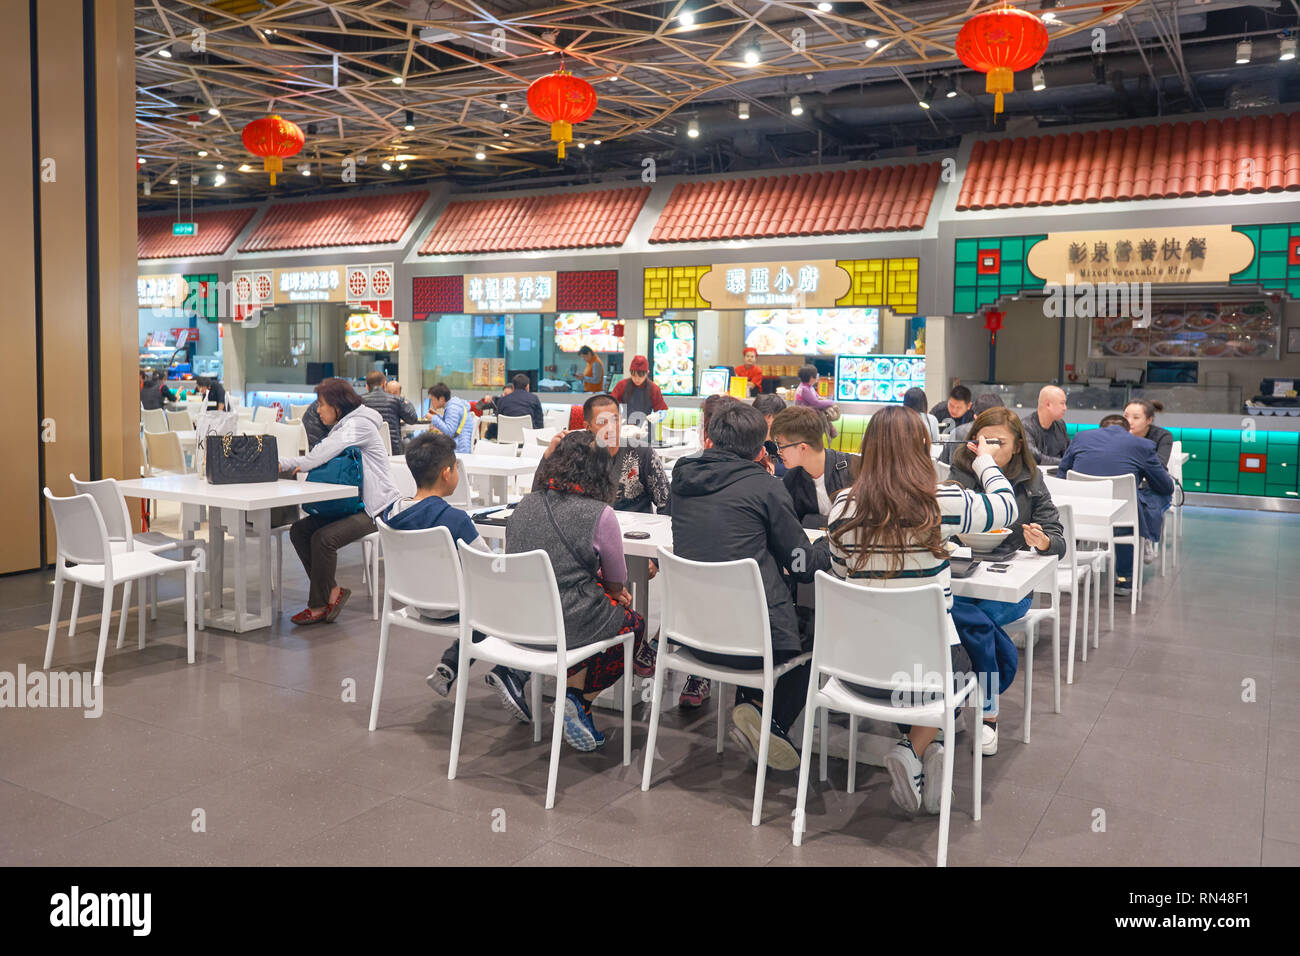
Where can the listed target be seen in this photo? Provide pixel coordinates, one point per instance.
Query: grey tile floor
(1159, 740)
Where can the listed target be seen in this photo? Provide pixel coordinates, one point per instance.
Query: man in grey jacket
(1045, 428)
(393, 409)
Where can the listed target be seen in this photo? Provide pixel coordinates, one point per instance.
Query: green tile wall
(971, 291)
(1269, 268)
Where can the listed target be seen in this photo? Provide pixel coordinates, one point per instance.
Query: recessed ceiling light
(872, 43)
(165, 53)
(244, 168)
(202, 153)
(410, 121)
(213, 111)
(1243, 51)
(398, 81)
(753, 54)
(693, 129)
(796, 106)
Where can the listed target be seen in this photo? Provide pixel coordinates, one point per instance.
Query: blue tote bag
(342, 469)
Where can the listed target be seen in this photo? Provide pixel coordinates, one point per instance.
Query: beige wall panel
(19, 428)
(63, 246)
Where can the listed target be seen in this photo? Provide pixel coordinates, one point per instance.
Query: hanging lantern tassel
(561, 132)
(273, 165)
(998, 81)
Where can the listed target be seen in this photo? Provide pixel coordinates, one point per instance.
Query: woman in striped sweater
(888, 529)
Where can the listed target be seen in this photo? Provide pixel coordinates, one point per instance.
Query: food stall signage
(510, 292)
(309, 285)
(1161, 256)
(160, 291)
(806, 284)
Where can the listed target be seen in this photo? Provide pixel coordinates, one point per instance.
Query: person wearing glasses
(814, 474)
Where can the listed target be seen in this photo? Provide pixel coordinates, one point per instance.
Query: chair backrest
(165, 452)
(82, 537)
(1071, 557)
(556, 418)
(248, 426)
(245, 412)
(461, 496)
(1176, 462)
(400, 472)
(266, 413)
(155, 420)
(530, 436)
(1056, 487)
(875, 636)
(511, 596)
(500, 449)
(531, 449)
(510, 428)
(719, 607)
(289, 438)
(1123, 488)
(421, 568)
(942, 471)
(297, 411)
(180, 421)
(112, 507)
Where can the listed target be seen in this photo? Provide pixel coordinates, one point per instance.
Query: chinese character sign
(505, 292)
(816, 284)
(1161, 255)
(310, 285)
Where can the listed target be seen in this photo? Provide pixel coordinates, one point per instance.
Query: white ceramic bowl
(983, 541)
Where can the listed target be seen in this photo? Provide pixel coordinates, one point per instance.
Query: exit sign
(185, 228)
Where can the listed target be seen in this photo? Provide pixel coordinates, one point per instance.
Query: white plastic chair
(85, 557)
(165, 454)
(525, 632)
(244, 413)
(290, 438)
(1176, 509)
(154, 420)
(556, 418)
(180, 421)
(266, 413)
(510, 428)
(1096, 532)
(1123, 488)
(297, 411)
(461, 497)
(867, 635)
(401, 475)
(500, 449)
(421, 572)
(719, 608)
(941, 471)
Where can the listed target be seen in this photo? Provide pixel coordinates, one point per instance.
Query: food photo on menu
(674, 356)
(1191, 330)
(811, 331)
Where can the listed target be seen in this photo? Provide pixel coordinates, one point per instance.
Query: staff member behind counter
(752, 371)
(641, 396)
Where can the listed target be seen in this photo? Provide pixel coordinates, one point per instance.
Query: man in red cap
(640, 395)
(752, 371)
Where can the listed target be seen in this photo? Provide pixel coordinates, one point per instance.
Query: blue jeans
(999, 614)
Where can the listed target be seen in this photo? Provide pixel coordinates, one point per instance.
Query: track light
(753, 54)
(386, 165)
(927, 97)
(506, 133)
(595, 142)
(221, 166)
(872, 43)
(503, 101)
(796, 106)
(952, 87)
(479, 154)
(194, 179)
(213, 111)
(1287, 49)
(410, 121)
(742, 110)
(401, 166)
(305, 169)
(581, 145)
(139, 160)
(693, 129)
(1048, 15)
(148, 190)
(1243, 51)
(173, 181)
(1040, 81)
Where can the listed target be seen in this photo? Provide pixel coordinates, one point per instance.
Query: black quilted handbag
(242, 459)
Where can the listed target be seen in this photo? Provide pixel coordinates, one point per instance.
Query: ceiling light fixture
(218, 179)
(480, 154)
(148, 190)
(796, 106)
(410, 121)
(595, 142)
(927, 97)
(139, 160)
(386, 165)
(401, 166)
(1040, 80)
(165, 53)
(581, 145)
(506, 133)
(503, 101)
(825, 7)
(1243, 51)
(173, 181)
(872, 43)
(213, 111)
(221, 165)
(693, 129)
(305, 169)
(398, 81)
(202, 153)
(687, 20)
(952, 86)
(1287, 50)
(244, 168)
(742, 110)
(753, 55)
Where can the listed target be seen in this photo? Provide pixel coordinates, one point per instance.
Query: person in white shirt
(317, 538)
(888, 530)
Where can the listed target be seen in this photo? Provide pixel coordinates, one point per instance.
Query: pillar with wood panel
(70, 347)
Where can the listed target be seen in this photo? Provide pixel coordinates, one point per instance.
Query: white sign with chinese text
(309, 285)
(746, 285)
(502, 292)
(1162, 255)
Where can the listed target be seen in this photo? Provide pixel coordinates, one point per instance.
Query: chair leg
(764, 744)
(458, 718)
(977, 742)
(105, 613)
(153, 601)
(189, 614)
(1112, 565)
(719, 697)
(1135, 586)
(1069, 657)
(1074, 617)
(1031, 638)
(374, 580)
(656, 707)
(139, 613)
(379, 667)
(536, 682)
(54, 612)
(945, 801)
(629, 678)
(825, 745)
(805, 766)
(853, 751)
(556, 733)
(365, 563)
(126, 610)
(76, 606)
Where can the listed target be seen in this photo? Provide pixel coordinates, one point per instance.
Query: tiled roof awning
(1219, 157)
(571, 220)
(879, 199)
(362, 221)
(215, 232)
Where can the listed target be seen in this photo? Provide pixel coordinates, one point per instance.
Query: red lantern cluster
(273, 138)
(561, 99)
(998, 43)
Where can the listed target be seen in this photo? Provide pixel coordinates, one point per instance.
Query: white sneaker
(905, 774)
(932, 792)
(1148, 552)
(989, 743)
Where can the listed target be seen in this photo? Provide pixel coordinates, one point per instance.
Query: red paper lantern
(273, 138)
(561, 99)
(999, 42)
(993, 320)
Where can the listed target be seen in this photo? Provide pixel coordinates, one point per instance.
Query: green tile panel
(1270, 268)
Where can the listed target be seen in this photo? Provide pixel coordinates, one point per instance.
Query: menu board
(369, 332)
(877, 378)
(812, 331)
(1199, 330)
(674, 357)
(573, 330)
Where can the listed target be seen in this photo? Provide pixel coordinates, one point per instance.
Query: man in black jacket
(316, 429)
(393, 409)
(815, 474)
(1045, 427)
(519, 402)
(957, 407)
(726, 507)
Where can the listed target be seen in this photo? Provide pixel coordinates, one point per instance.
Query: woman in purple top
(806, 394)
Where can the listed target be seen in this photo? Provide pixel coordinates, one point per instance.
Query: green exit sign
(185, 229)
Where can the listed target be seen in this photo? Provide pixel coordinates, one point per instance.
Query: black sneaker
(511, 692)
(441, 680)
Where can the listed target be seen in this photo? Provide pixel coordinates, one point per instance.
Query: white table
(253, 501)
(673, 452)
(498, 469)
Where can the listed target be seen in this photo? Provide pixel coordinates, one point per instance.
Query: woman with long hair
(1037, 526)
(568, 515)
(888, 528)
(914, 398)
(1141, 416)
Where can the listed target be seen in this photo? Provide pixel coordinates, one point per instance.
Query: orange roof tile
(216, 231)
(360, 221)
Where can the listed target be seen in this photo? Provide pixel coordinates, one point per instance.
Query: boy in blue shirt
(432, 460)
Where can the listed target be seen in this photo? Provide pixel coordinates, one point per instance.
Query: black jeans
(788, 696)
(317, 541)
(451, 657)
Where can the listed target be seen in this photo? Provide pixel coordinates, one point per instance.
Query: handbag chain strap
(225, 444)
